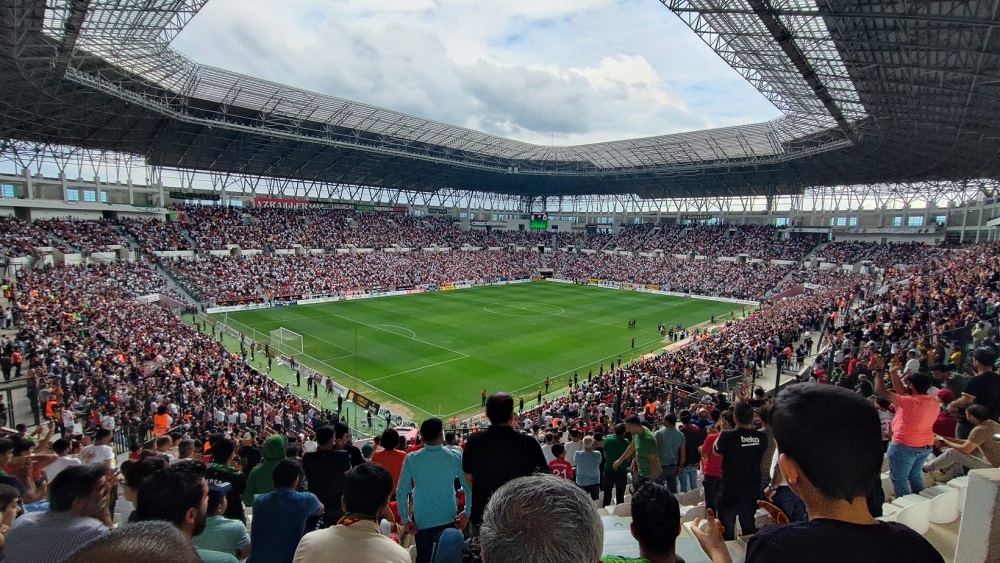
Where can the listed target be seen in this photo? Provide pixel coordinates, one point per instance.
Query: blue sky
(543, 71)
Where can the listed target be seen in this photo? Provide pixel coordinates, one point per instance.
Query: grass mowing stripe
(423, 375)
(415, 369)
(377, 327)
(514, 392)
(562, 314)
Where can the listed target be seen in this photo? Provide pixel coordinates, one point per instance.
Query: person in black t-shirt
(325, 469)
(742, 450)
(983, 389)
(342, 435)
(250, 455)
(498, 454)
(830, 444)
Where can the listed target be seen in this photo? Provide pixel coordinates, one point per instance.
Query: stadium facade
(885, 105)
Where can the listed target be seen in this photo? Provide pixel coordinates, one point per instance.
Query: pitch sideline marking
(387, 394)
(414, 369)
(413, 335)
(355, 378)
(563, 315)
(376, 327)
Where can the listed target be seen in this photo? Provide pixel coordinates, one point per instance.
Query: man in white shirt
(61, 447)
(163, 445)
(69, 421)
(573, 445)
(550, 439)
(78, 514)
(108, 421)
(100, 451)
(912, 362)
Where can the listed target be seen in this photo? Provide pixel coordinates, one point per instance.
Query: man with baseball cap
(221, 533)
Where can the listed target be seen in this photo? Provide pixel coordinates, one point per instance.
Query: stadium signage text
(364, 402)
(380, 208)
(887, 230)
(189, 196)
(645, 289)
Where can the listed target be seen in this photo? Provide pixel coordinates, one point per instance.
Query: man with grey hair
(539, 519)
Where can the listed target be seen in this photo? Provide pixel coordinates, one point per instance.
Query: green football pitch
(433, 353)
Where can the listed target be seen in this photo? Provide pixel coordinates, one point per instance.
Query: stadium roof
(872, 92)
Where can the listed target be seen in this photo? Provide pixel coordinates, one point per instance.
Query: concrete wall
(64, 213)
(979, 532)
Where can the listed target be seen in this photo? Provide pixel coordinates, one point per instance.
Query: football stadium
(440, 281)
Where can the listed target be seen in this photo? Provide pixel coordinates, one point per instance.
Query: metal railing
(237, 330)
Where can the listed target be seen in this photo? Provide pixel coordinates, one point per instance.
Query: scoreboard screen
(539, 221)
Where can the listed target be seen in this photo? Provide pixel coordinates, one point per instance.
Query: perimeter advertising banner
(364, 402)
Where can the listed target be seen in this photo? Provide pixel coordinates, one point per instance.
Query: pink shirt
(914, 421)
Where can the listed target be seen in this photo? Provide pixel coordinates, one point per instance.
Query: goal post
(286, 341)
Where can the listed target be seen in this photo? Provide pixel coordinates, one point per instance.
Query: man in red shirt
(711, 462)
(946, 421)
(559, 466)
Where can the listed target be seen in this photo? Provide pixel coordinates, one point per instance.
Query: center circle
(524, 309)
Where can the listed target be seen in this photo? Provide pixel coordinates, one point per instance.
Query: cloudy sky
(543, 71)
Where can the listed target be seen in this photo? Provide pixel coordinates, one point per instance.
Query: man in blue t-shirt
(279, 517)
(430, 474)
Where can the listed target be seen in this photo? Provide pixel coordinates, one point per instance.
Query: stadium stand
(124, 360)
(21, 238)
(881, 255)
(154, 234)
(86, 236)
(887, 130)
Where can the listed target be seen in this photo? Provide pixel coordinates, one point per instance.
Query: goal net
(286, 341)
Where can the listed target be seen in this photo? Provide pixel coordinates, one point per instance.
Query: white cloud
(562, 71)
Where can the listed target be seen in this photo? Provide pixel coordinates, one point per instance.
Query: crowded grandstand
(835, 399)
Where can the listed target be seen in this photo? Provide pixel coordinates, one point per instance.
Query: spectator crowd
(240, 467)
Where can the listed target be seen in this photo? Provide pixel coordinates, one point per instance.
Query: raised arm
(882, 392)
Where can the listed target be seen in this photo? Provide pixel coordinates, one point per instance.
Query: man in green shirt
(656, 523)
(614, 447)
(643, 447)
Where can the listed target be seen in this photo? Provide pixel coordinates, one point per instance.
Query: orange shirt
(161, 424)
(913, 424)
(391, 460)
